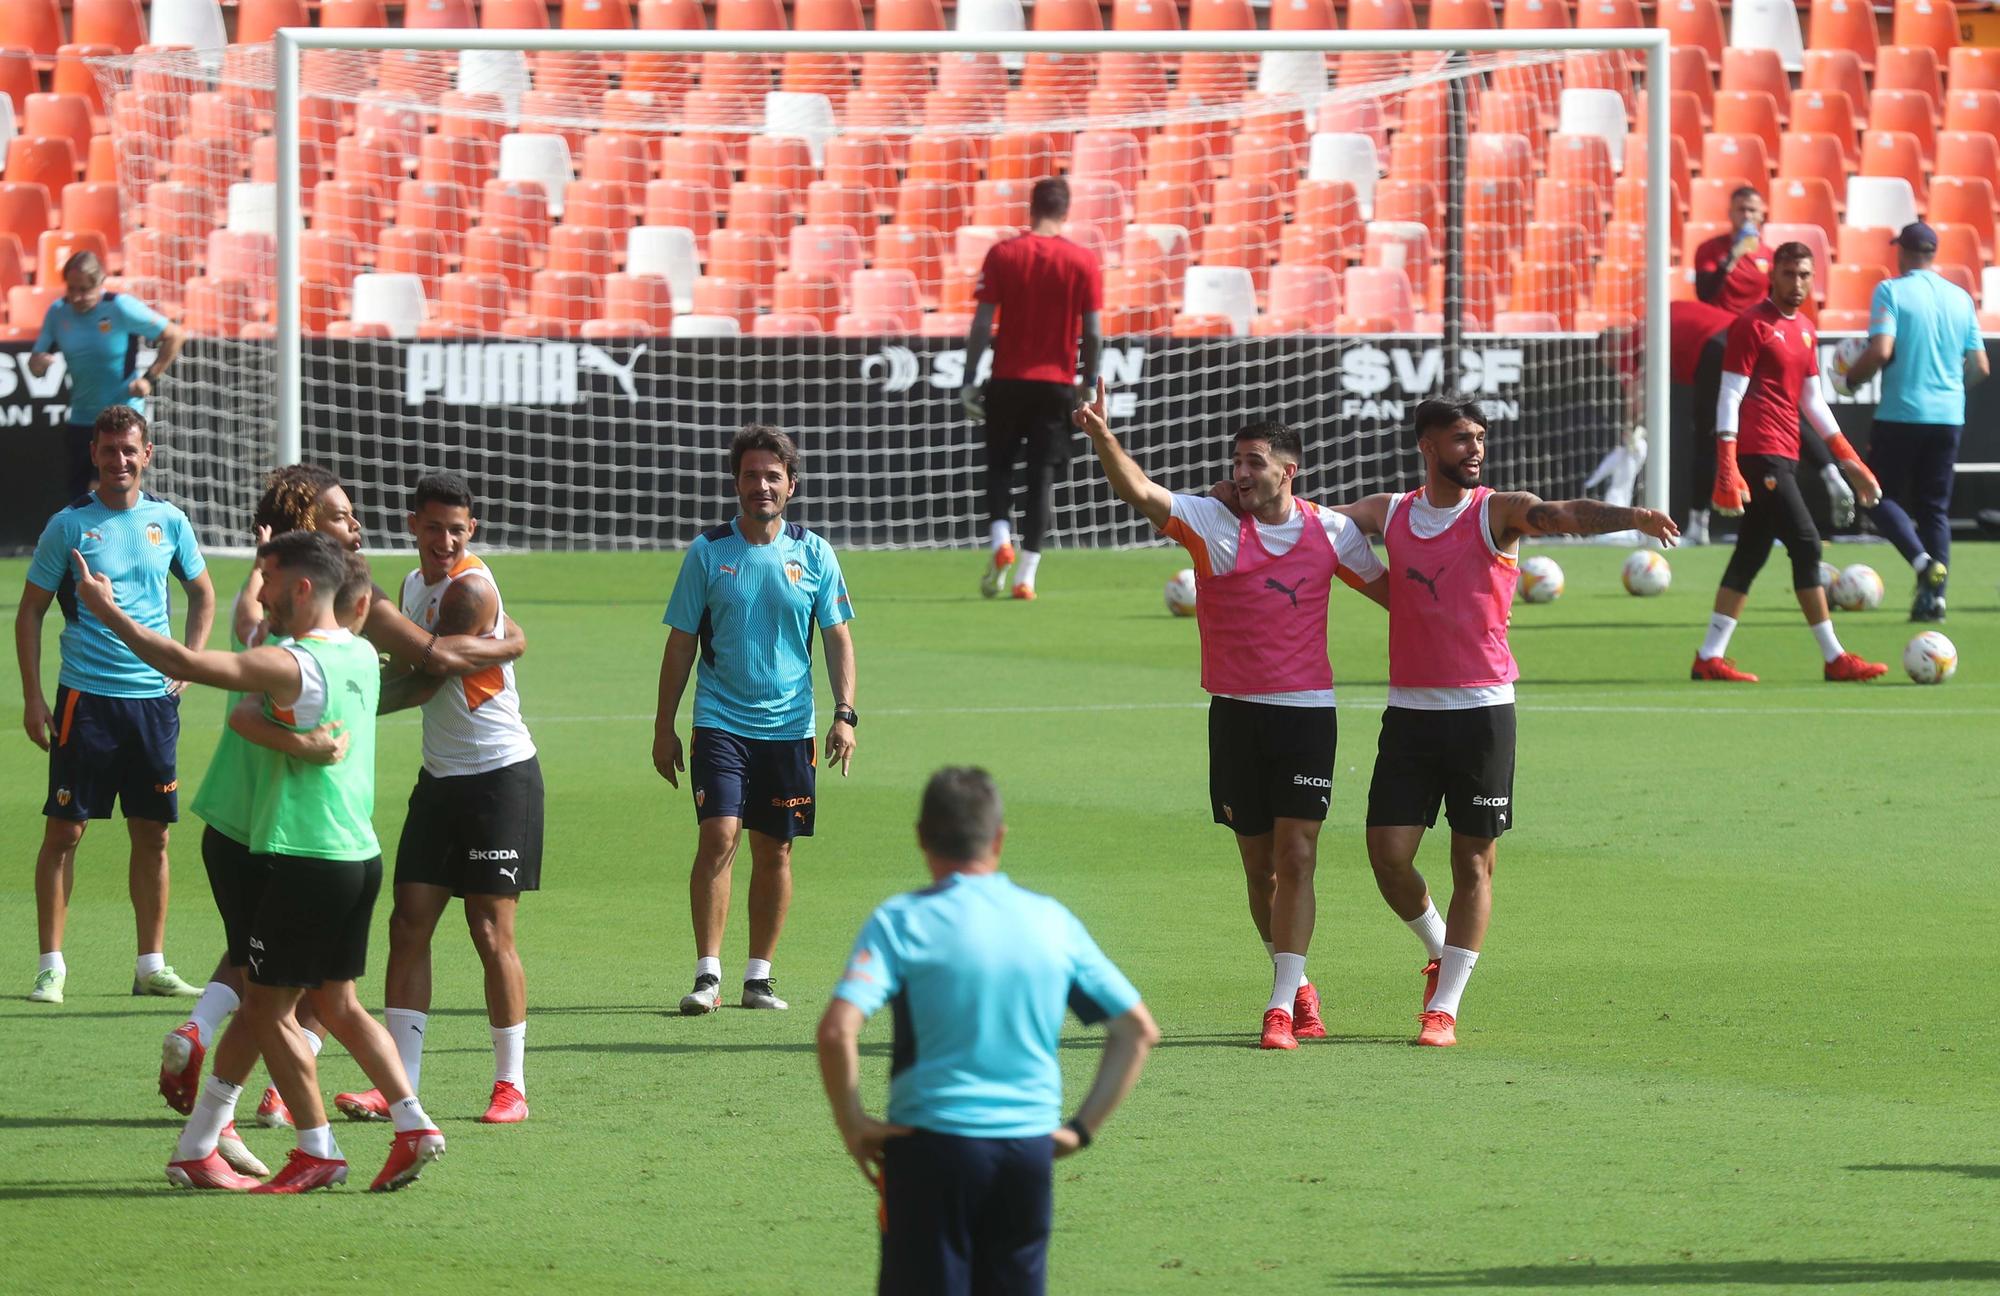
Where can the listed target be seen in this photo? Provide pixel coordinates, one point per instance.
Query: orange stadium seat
(1748, 112)
(566, 297)
(49, 162)
(1419, 157)
(1894, 153)
(1067, 15)
(1570, 200)
(1806, 200)
(1609, 13)
(909, 15)
(768, 209)
(805, 72)
(1838, 69)
(686, 203)
(1303, 15)
(102, 168)
(657, 15)
(353, 13)
(829, 202)
(918, 249)
(1679, 170)
(1974, 67)
(1870, 246)
(891, 293)
(1959, 245)
(502, 251)
(1462, 15)
(1972, 110)
(181, 211)
(783, 162)
(1804, 156)
(1742, 159)
(810, 294)
(1850, 287)
(1970, 154)
(934, 204)
(1908, 111)
(153, 255)
(1022, 155)
(1911, 67)
(432, 204)
(96, 209)
(523, 204)
(1502, 203)
(18, 78)
(1625, 241)
(827, 15)
(1221, 15)
(866, 162)
(1685, 121)
(417, 250)
(1535, 15)
(1303, 299)
(601, 204)
(1844, 24)
(1688, 70)
(469, 305)
(120, 24)
(614, 155)
(831, 251)
(1697, 23)
(54, 116)
(57, 246)
(352, 210)
(1967, 201)
(1000, 203)
(1166, 202)
(425, 14)
(324, 257)
(35, 25)
(1557, 243)
(1828, 112)
(695, 160)
(212, 307)
(1927, 22)
(1547, 288)
(1758, 71)
(596, 15)
(28, 306)
(1376, 293)
(1709, 201)
(643, 300)
(72, 76)
(465, 160)
(1581, 157)
(1145, 15)
(1409, 200)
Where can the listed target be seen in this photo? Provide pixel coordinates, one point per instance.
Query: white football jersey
(473, 723)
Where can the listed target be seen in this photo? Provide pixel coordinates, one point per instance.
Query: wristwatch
(844, 714)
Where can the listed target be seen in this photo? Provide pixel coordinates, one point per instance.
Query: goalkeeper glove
(1732, 493)
(974, 401)
(1865, 486)
(1839, 498)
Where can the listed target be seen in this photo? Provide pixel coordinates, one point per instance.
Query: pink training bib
(1450, 598)
(1263, 624)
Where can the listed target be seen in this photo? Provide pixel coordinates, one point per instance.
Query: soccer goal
(571, 263)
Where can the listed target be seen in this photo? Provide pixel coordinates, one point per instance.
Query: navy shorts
(114, 750)
(766, 782)
(965, 1215)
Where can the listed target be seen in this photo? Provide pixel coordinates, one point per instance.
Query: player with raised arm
(1263, 581)
(1448, 732)
(1771, 374)
(312, 834)
(474, 828)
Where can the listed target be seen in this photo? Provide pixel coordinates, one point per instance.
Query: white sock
(1454, 970)
(509, 1042)
(1024, 567)
(706, 966)
(1720, 627)
(756, 969)
(217, 1002)
(1287, 970)
(409, 1115)
(214, 1108)
(53, 962)
(1829, 642)
(318, 1142)
(1271, 951)
(147, 964)
(1921, 561)
(1429, 927)
(406, 1027)
(317, 1042)
(999, 534)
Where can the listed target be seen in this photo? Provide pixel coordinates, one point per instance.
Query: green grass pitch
(1733, 1030)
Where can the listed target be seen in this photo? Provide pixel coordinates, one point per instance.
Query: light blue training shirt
(1934, 324)
(101, 350)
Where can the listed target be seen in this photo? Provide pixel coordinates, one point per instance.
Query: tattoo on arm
(1577, 517)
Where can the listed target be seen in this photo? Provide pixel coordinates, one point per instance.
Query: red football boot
(1723, 669)
(209, 1172)
(232, 1149)
(180, 1067)
(1278, 1030)
(304, 1172)
(272, 1112)
(1849, 668)
(363, 1106)
(508, 1105)
(1306, 1023)
(1430, 982)
(408, 1154)
(1439, 1030)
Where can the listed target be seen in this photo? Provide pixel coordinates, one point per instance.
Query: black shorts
(1776, 511)
(1464, 759)
(311, 924)
(236, 879)
(475, 834)
(110, 750)
(1268, 762)
(965, 1215)
(1030, 416)
(768, 783)
(79, 461)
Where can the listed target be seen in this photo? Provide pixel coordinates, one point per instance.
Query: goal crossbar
(290, 42)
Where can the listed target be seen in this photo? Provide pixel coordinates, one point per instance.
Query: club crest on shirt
(87, 537)
(62, 796)
(726, 569)
(104, 326)
(154, 533)
(1762, 264)
(794, 570)
(1806, 334)
(1770, 483)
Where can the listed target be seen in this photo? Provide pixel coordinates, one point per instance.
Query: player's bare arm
(1129, 1037)
(270, 670)
(1514, 514)
(36, 717)
(840, 1072)
(411, 647)
(1128, 481)
(167, 349)
(676, 664)
(248, 613)
(1370, 513)
(840, 674)
(323, 745)
(466, 610)
(1881, 350)
(200, 618)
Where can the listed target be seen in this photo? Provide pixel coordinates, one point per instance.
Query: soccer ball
(1646, 573)
(1180, 593)
(1828, 574)
(1857, 589)
(1845, 353)
(1930, 658)
(1541, 580)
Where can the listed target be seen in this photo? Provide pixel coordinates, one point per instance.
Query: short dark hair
(1284, 438)
(86, 261)
(291, 494)
(312, 554)
(961, 813)
(1435, 414)
(1787, 253)
(1746, 191)
(1049, 199)
(117, 420)
(762, 436)
(358, 581)
(446, 488)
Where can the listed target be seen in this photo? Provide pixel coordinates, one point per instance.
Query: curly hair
(291, 493)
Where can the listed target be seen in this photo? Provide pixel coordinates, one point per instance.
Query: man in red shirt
(1733, 270)
(1046, 289)
(1770, 372)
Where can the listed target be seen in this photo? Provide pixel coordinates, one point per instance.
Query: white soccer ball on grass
(1930, 658)
(1646, 573)
(1541, 579)
(1180, 593)
(1857, 589)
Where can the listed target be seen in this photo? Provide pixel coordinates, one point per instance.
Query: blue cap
(1917, 237)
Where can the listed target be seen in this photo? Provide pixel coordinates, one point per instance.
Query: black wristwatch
(1075, 1127)
(845, 714)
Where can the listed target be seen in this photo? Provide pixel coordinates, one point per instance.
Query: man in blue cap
(1927, 326)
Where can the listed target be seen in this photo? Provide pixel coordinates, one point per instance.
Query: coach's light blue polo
(101, 350)
(754, 608)
(138, 548)
(978, 973)
(1934, 324)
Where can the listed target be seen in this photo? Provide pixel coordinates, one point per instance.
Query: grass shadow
(1674, 1277)
(1969, 1171)
(163, 1121)
(35, 1191)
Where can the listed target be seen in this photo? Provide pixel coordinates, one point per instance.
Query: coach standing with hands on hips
(981, 973)
(1046, 289)
(98, 333)
(1928, 327)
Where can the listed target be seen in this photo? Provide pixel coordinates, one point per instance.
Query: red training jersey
(1778, 353)
(1748, 281)
(1042, 285)
(1691, 325)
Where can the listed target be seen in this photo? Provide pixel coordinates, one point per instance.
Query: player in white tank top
(472, 724)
